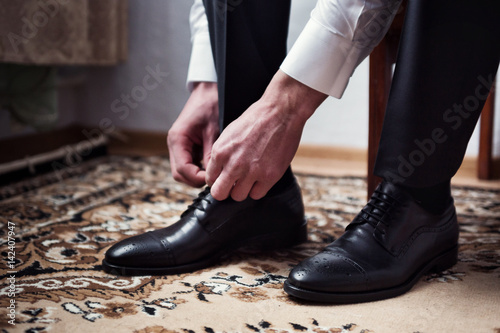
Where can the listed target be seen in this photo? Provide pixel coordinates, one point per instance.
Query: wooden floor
(335, 161)
(311, 159)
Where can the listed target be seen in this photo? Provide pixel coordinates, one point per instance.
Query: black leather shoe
(389, 245)
(207, 230)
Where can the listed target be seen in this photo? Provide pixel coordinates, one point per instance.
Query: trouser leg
(447, 60)
(249, 44)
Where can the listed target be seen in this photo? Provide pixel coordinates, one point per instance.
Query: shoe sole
(438, 264)
(262, 243)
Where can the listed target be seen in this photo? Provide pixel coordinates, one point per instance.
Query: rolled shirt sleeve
(201, 63)
(337, 37)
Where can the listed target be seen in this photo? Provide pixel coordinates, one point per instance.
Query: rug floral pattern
(65, 221)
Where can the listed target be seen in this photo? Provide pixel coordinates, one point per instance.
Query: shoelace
(375, 208)
(197, 202)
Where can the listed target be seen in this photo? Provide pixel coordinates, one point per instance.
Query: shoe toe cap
(328, 272)
(135, 251)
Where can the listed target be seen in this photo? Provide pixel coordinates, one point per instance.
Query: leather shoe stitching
(402, 251)
(168, 250)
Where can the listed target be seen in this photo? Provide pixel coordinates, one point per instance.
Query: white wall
(337, 122)
(159, 40)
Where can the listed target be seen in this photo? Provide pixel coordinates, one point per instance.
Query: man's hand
(255, 150)
(192, 135)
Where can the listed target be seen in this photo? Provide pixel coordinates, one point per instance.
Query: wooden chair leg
(381, 60)
(378, 93)
(379, 85)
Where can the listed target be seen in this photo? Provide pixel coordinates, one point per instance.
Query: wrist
(206, 90)
(293, 98)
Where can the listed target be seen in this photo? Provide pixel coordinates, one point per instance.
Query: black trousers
(447, 60)
(249, 44)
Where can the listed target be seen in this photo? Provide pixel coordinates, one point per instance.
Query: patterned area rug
(59, 225)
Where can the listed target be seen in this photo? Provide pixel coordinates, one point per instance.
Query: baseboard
(145, 143)
(321, 157)
(19, 147)
(332, 153)
(317, 157)
(22, 153)
(137, 142)
(38, 153)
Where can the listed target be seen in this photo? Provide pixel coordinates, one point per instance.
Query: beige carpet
(64, 222)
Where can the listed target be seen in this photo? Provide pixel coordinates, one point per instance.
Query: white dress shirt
(337, 37)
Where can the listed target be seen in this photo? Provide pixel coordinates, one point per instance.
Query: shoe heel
(445, 261)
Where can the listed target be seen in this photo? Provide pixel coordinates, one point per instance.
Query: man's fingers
(207, 150)
(259, 190)
(183, 169)
(222, 187)
(214, 169)
(241, 189)
(191, 175)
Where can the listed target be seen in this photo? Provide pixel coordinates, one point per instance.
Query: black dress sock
(434, 199)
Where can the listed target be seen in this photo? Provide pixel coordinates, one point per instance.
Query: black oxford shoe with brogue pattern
(388, 246)
(209, 229)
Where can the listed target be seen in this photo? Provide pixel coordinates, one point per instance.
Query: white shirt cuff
(323, 60)
(201, 63)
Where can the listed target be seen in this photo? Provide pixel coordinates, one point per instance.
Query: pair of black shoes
(388, 246)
